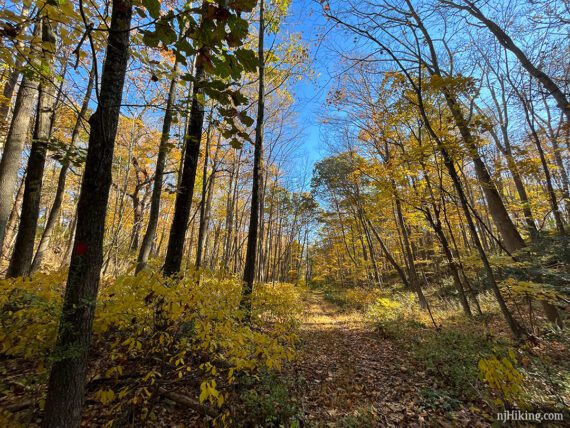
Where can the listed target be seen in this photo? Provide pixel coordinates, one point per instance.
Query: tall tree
(251, 253)
(66, 385)
(154, 213)
(19, 127)
(62, 177)
(22, 256)
(183, 203)
(507, 42)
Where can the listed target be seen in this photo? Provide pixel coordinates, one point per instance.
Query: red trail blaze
(80, 248)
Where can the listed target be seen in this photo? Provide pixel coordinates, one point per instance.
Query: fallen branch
(18, 407)
(184, 400)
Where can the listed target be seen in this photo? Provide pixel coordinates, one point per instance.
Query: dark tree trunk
(183, 203)
(66, 385)
(154, 214)
(21, 261)
(249, 270)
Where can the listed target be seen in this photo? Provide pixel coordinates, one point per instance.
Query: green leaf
(235, 143)
(245, 119)
(153, 8)
(150, 39)
(247, 58)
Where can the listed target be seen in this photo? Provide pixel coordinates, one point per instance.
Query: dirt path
(352, 377)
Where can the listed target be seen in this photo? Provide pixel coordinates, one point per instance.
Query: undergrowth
(473, 360)
(150, 335)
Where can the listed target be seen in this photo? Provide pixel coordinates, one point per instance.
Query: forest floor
(350, 376)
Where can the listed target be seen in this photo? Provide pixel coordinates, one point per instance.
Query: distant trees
(443, 122)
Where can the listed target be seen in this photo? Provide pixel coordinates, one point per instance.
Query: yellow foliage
(504, 378)
(193, 329)
(387, 309)
(30, 313)
(533, 290)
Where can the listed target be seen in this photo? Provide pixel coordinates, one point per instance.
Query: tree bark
(21, 261)
(62, 178)
(13, 221)
(202, 226)
(183, 203)
(17, 135)
(65, 394)
(154, 213)
(249, 269)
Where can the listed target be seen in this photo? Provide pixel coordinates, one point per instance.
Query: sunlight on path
(353, 377)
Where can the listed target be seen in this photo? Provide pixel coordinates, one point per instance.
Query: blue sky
(306, 18)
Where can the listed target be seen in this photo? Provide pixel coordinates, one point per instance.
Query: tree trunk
(202, 225)
(512, 323)
(448, 161)
(17, 135)
(13, 221)
(21, 261)
(511, 237)
(183, 203)
(389, 256)
(61, 181)
(412, 273)
(154, 214)
(249, 270)
(549, 187)
(65, 393)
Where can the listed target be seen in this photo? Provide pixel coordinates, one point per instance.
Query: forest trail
(352, 376)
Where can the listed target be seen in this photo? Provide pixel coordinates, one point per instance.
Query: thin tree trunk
(548, 177)
(251, 254)
(203, 220)
(154, 213)
(412, 273)
(389, 256)
(62, 179)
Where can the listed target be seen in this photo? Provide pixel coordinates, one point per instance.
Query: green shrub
(267, 401)
(436, 399)
(453, 356)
